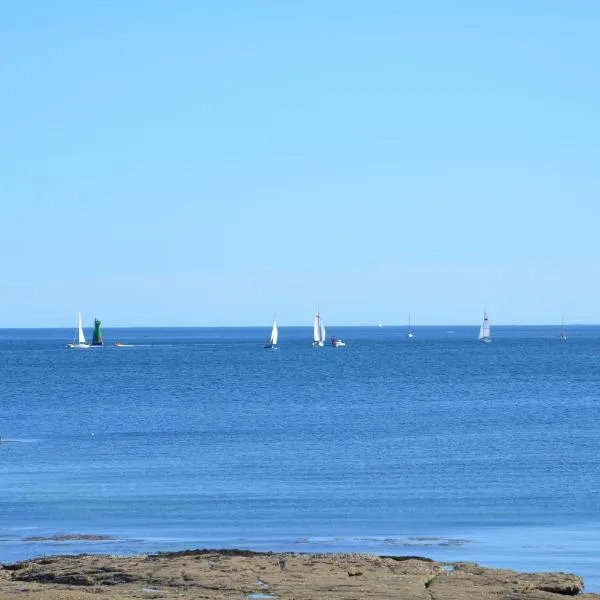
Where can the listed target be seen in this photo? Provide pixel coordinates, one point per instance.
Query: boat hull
(78, 346)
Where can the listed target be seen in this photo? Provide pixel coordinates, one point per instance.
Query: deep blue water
(439, 446)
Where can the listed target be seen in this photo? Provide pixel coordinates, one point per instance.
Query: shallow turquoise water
(439, 446)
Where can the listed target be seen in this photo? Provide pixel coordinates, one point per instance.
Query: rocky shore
(227, 575)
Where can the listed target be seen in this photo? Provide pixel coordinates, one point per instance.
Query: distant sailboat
(272, 341)
(410, 332)
(79, 341)
(318, 331)
(563, 334)
(379, 324)
(484, 330)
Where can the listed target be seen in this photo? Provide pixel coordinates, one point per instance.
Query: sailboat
(79, 341)
(318, 331)
(379, 324)
(272, 341)
(484, 330)
(563, 334)
(410, 333)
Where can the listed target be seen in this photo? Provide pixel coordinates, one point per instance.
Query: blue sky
(202, 163)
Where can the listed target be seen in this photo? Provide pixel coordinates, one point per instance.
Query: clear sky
(216, 163)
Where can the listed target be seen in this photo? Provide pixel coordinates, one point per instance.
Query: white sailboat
(379, 324)
(79, 341)
(318, 331)
(563, 334)
(272, 341)
(484, 330)
(410, 331)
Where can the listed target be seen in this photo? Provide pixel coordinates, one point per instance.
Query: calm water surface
(439, 446)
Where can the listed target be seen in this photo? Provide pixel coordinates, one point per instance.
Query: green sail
(97, 340)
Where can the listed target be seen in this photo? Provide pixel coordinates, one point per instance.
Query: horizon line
(375, 326)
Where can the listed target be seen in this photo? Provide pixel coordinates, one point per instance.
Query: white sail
(322, 333)
(79, 341)
(484, 330)
(317, 329)
(274, 334)
(80, 336)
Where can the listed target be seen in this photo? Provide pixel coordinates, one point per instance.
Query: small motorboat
(337, 343)
(119, 344)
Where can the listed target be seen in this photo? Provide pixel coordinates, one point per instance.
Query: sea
(437, 446)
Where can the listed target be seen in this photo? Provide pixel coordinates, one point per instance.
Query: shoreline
(223, 574)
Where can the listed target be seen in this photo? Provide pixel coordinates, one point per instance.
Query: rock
(220, 575)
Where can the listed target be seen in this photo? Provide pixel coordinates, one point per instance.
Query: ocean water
(437, 446)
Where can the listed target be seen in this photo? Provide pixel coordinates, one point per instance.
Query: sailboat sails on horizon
(484, 330)
(318, 331)
(563, 333)
(272, 341)
(79, 341)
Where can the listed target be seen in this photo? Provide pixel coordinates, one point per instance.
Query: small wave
(144, 345)
(408, 542)
(70, 537)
